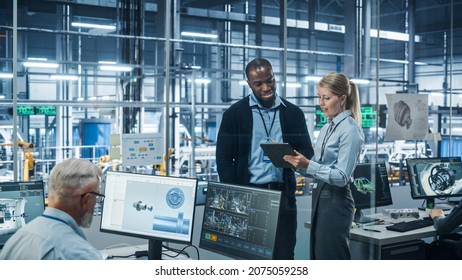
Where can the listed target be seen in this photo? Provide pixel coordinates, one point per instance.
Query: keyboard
(411, 225)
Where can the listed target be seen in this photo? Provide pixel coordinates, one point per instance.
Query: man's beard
(86, 220)
(267, 103)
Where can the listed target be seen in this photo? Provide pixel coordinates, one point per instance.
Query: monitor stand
(430, 203)
(154, 251)
(359, 218)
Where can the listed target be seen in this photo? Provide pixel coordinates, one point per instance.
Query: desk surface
(386, 237)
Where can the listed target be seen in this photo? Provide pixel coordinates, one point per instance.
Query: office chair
(445, 249)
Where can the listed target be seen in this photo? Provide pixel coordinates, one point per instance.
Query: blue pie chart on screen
(175, 198)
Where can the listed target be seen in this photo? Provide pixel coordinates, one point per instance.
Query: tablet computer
(276, 152)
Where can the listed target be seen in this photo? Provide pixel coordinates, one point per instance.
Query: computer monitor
(20, 203)
(431, 178)
(240, 222)
(157, 208)
(370, 188)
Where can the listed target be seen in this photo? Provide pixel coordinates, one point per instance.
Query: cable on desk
(121, 245)
(122, 257)
(179, 252)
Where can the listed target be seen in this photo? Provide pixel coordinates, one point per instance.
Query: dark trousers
(286, 230)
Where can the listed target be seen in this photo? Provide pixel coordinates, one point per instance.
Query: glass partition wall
(73, 74)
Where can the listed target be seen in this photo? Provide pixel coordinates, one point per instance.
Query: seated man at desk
(73, 190)
(448, 246)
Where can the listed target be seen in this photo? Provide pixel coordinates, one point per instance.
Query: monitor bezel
(385, 184)
(409, 162)
(241, 256)
(147, 236)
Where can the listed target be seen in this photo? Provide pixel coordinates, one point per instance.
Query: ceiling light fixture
(197, 34)
(93, 26)
(64, 77)
(360, 81)
(115, 68)
(202, 81)
(33, 64)
(313, 78)
(293, 85)
(6, 75)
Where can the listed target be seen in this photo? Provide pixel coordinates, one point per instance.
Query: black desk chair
(447, 247)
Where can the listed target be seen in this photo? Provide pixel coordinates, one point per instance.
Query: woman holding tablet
(335, 157)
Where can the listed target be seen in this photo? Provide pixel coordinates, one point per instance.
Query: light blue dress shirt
(261, 169)
(336, 153)
(53, 236)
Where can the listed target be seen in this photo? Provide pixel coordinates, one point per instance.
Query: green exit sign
(37, 110)
(25, 110)
(45, 110)
(368, 116)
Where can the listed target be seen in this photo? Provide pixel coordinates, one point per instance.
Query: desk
(369, 244)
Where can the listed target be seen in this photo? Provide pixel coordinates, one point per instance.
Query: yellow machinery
(161, 167)
(28, 152)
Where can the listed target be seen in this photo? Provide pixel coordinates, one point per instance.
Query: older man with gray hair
(73, 190)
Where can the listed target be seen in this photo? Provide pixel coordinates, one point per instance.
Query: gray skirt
(332, 216)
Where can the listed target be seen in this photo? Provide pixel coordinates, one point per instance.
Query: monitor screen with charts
(435, 177)
(20, 203)
(370, 187)
(240, 222)
(157, 208)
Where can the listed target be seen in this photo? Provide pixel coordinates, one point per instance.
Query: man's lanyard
(268, 138)
(54, 218)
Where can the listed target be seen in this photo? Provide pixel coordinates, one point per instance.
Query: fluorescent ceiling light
(94, 26)
(2, 96)
(202, 81)
(6, 75)
(293, 85)
(360, 81)
(64, 77)
(243, 83)
(32, 64)
(201, 35)
(107, 62)
(115, 68)
(37, 58)
(313, 78)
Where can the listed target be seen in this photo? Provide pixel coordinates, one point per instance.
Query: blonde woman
(335, 157)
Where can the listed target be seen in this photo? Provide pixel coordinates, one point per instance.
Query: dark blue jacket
(235, 136)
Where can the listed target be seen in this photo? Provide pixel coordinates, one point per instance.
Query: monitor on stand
(157, 208)
(435, 178)
(239, 221)
(370, 189)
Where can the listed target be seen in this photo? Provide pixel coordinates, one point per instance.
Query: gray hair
(70, 175)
